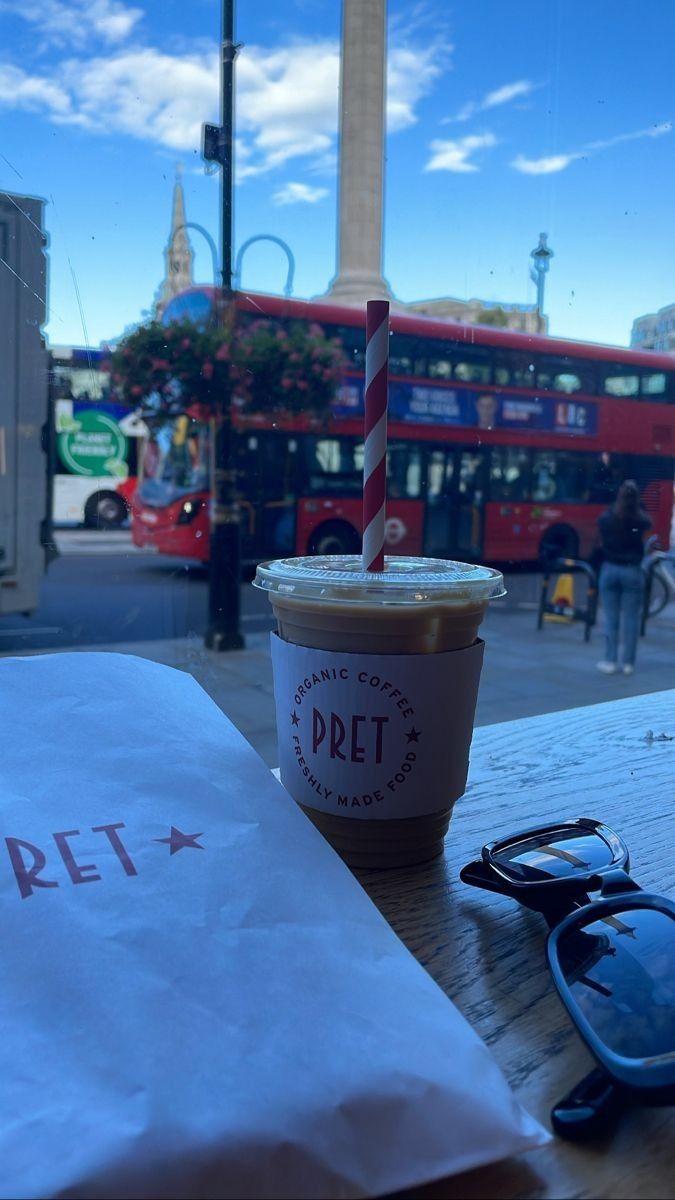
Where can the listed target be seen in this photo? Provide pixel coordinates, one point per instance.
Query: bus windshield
(176, 462)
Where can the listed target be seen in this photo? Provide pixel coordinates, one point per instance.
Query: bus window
(406, 356)
(619, 381)
(440, 470)
(564, 375)
(439, 362)
(606, 476)
(517, 370)
(404, 471)
(509, 473)
(333, 465)
(473, 364)
(559, 475)
(353, 343)
(653, 383)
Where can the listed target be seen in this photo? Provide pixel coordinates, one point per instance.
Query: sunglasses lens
(620, 970)
(553, 854)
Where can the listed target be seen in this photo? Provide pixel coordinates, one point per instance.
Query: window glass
(509, 473)
(406, 355)
(653, 383)
(404, 471)
(559, 475)
(473, 364)
(605, 477)
(516, 369)
(564, 375)
(620, 381)
(333, 465)
(439, 361)
(440, 471)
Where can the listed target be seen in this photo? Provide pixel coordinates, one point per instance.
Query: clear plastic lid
(341, 577)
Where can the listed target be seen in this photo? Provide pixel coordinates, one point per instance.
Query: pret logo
(354, 736)
(51, 864)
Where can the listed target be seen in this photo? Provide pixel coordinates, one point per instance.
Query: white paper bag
(197, 997)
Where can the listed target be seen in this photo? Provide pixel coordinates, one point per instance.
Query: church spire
(178, 255)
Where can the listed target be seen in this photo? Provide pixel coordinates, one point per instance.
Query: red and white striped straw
(375, 452)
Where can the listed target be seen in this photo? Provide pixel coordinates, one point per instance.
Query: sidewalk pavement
(526, 671)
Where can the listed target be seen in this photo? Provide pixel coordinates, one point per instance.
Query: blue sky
(504, 120)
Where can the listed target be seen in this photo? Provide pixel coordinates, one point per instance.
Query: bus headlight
(188, 511)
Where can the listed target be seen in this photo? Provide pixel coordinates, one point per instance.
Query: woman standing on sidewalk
(622, 529)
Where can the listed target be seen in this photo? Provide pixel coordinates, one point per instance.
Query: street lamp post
(225, 548)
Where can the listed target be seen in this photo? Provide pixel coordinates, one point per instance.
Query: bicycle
(660, 581)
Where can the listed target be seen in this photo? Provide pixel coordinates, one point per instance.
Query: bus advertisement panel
(503, 447)
(96, 442)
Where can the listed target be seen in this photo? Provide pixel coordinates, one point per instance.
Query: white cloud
(19, 90)
(456, 155)
(558, 162)
(73, 22)
(299, 193)
(494, 99)
(544, 166)
(286, 102)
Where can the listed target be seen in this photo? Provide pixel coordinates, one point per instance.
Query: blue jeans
(621, 591)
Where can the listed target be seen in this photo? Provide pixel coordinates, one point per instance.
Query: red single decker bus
(503, 447)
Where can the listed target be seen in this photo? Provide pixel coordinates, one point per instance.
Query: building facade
(655, 331)
(523, 317)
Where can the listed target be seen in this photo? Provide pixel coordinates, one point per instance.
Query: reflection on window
(509, 473)
(559, 475)
(472, 372)
(334, 465)
(653, 383)
(620, 383)
(404, 471)
(564, 375)
(440, 470)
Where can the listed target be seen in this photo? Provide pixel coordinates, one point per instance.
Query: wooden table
(614, 762)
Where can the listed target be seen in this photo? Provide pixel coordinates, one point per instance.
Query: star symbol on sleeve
(295, 720)
(414, 735)
(178, 841)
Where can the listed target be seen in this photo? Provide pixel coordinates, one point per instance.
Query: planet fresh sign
(91, 443)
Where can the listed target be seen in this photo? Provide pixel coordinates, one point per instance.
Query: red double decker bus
(503, 447)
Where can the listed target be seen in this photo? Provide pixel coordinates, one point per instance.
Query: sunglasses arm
(479, 874)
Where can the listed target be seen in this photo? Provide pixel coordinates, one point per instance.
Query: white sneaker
(608, 668)
(628, 669)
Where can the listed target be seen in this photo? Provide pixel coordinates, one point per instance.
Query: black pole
(225, 549)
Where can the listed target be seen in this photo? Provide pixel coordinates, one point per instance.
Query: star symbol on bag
(178, 841)
(295, 720)
(414, 735)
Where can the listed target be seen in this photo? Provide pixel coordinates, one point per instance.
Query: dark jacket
(621, 539)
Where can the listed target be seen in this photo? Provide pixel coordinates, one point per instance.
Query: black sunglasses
(612, 961)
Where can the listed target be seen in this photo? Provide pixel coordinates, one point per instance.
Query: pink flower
(207, 370)
(303, 385)
(136, 390)
(223, 353)
(294, 357)
(185, 343)
(286, 383)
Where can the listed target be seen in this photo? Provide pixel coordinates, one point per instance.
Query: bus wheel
(559, 541)
(105, 510)
(335, 537)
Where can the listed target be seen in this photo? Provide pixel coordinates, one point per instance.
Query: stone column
(361, 154)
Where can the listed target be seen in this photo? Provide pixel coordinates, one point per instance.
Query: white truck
(25, 500)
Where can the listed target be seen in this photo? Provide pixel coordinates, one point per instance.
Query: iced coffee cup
(376, 680)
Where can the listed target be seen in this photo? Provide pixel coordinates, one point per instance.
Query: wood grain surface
(614, 762)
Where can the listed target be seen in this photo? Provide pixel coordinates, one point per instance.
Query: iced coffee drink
(376, 679)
